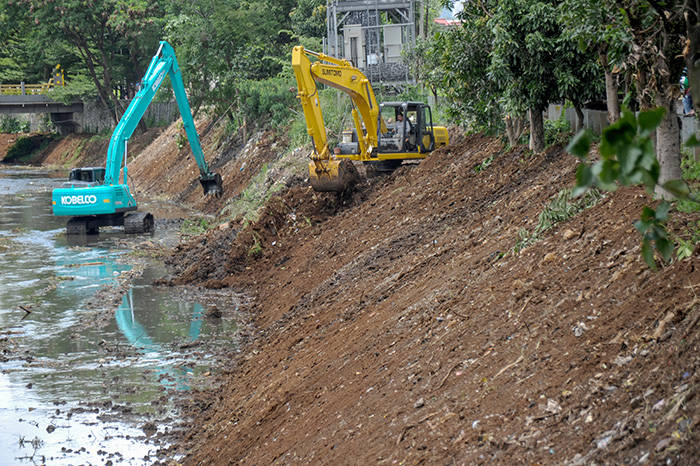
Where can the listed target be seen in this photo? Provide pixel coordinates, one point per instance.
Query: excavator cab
(95, 175)
(408, 128)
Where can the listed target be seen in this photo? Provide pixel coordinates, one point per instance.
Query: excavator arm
(162, 64)
(327, 174)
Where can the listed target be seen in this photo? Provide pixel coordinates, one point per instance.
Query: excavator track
(81, 226)
(138, 222)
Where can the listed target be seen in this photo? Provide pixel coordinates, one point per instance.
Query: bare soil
(393, 325)
(6, 141)
(397, 324)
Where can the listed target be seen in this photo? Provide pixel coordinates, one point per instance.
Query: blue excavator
(94, 197)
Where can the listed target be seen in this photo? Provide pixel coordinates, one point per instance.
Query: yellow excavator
(384, 135)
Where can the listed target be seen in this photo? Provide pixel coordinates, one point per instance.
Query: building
(372, 34)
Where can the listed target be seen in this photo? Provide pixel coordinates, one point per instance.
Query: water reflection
(73, 352)
(175, 377)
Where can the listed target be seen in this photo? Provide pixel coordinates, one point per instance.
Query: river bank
(440, 315)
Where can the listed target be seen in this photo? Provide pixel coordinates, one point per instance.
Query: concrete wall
(94, 119)
(597, 120)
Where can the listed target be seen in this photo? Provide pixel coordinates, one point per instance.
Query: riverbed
(91, 353)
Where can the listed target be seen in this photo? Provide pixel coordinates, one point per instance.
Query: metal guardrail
(26, 89)
(57, 79)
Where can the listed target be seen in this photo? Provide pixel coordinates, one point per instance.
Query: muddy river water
(72, 390)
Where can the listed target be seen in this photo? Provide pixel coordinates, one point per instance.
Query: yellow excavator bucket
(332, 175)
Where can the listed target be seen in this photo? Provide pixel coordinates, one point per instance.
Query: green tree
(661, 33)
(101, 31)
(578, 75)
(464, 54)
(308, 18)
(223, 45)
(524, 58)
(599, 26)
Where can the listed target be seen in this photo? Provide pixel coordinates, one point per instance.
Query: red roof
(447, 22)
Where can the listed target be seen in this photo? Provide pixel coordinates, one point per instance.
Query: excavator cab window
(411, 130)
(392, 140)
(93, 175)
(426, 138)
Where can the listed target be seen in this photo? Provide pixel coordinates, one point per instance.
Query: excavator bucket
(332, 175)
(212, 184)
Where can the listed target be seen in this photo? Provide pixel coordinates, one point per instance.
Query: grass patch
(247, 205)
(560, 209)
(195, 226)
(26, 148)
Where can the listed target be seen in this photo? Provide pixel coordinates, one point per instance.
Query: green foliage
(691, 174)
(247, 205)
(256, 249)
(556, 131)
(563, 207)
(26, 148)
(687, 241)
(224, 47)
(12, 124)
(268, 100)
(308, 18)
(462, 57)
(196, 226)
(598, 26)
(78, 88)
(627, 154)
(628, 158)
(523, 53)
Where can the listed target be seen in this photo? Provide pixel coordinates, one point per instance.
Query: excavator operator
(399, 126)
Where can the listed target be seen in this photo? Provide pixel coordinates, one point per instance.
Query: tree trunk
(578, 126)
(668, 148)
(610, 88)
(536, 130)
(514, 129)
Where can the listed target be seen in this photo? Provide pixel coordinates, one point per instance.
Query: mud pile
(427, 319)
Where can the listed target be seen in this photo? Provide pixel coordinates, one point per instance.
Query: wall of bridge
(95, 119)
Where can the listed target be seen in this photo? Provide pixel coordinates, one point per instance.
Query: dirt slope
(76, 150)
(395, 327)
(165, 170)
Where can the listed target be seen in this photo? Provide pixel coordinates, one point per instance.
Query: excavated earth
(415, 320)
(400, 324)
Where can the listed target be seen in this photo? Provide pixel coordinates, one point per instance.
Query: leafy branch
(628, 158)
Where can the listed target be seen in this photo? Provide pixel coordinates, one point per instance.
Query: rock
(579, 328)
(663, 444)
(620, 361)
(213, 313)
(149, 429)
(568, 234)
(419, 404)
(553, 406)
(659, 404)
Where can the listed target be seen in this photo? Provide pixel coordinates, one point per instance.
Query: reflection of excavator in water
(375, 140)
(93, 196)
